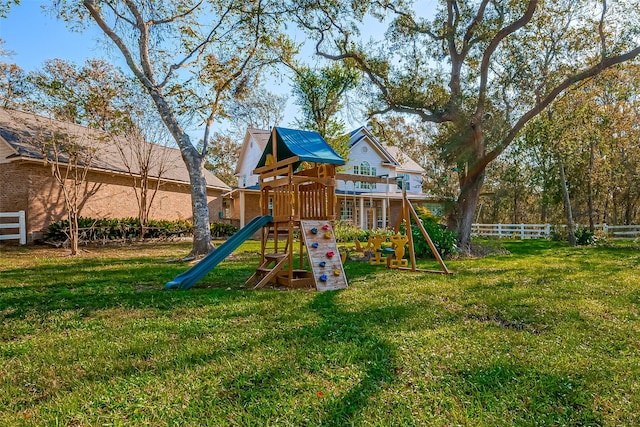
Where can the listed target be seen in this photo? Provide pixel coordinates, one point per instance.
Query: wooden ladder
(265, 271)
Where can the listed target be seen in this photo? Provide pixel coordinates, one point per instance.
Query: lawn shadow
(88, 285)
(376, 356)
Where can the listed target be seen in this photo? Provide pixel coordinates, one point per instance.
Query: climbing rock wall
(324, 258)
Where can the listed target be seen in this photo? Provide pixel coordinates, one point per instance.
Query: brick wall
(30, 187)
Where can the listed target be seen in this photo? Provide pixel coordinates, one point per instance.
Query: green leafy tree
(191, 57)
(591, 132)
(14, 89)
(96, 95)
(480, 69)
(320, 94)
(223, 157)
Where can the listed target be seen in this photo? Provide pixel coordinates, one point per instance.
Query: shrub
(345, 232)
(122, 228)
(444, 240)
(220, 229)
(584, 237)
(558, 234)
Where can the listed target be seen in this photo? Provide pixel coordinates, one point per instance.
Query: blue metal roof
(309, 146)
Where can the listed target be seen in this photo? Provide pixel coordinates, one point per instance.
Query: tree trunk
(74, 235)
(592, 226)
(201, 232)
(465, 209)
(143, 208)
(195, 166)
(567, 205)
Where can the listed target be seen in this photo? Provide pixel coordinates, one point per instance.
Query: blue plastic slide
(198, 271)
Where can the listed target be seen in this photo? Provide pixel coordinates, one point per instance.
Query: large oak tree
(478, 69)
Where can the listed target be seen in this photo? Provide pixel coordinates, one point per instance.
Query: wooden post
(428, 239)
(274, 144)
(405, 214)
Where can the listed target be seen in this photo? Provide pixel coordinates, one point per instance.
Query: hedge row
(92, 229)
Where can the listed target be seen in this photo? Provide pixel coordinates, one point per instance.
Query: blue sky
(35, 36)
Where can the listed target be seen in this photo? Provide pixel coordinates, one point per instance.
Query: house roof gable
(362, 134)
(260, 137)
(393, 155)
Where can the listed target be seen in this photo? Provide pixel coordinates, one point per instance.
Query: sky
(35, 36)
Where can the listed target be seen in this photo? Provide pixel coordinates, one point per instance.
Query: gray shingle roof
(25, 133)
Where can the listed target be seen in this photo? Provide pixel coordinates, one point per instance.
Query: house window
(365, 169)
(346, 211)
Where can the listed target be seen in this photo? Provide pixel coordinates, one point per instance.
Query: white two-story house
(367, 205)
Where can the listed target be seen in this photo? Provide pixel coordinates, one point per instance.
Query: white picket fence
(537, 231)
(20, 225)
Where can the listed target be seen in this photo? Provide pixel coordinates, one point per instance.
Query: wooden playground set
(297, 176)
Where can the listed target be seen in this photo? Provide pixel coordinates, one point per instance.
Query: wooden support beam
(275, 270)
(276, 165)
(426, 236)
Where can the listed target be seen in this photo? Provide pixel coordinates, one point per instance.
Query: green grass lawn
(546, 335)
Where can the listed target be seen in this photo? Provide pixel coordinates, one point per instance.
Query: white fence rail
(537, 231)
(20, 225)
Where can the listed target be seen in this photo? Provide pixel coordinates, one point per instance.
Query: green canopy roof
(309, 146)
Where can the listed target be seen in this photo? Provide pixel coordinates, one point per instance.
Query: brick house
(26, 182)
(365, 204)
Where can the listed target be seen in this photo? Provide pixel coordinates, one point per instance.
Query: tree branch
(91, 6)
(592, 71)
(493, 45)
(175, 17)
(199, 49)
(143, 40)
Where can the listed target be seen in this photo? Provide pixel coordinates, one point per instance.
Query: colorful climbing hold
(325, 227)
(327, 235)
(323, 277)
(336, 272)
(314, 245)
(330, 254)
(322, 263)
(314, 230)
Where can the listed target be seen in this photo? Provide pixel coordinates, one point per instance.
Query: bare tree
(144, 155)
(70, 155)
